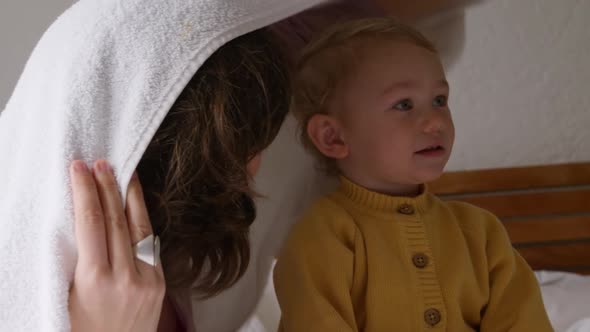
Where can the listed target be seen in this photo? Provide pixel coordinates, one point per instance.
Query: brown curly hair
(194, 172)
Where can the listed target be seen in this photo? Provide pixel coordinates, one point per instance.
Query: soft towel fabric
(98, 85)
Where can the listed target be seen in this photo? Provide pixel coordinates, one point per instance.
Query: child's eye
(440, 101)
(404, 105)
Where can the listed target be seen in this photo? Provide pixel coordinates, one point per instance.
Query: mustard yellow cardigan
(363, 261)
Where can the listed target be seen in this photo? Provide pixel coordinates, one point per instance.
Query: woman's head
(196, 170)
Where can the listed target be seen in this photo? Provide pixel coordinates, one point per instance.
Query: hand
(112, 291)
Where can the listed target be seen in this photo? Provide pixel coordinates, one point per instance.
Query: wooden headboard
(545, 209)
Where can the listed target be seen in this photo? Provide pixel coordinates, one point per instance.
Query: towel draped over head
(98, 85)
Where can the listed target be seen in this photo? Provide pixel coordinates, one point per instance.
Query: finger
(89, 218)
(137, 214)
(119, 243)
(139, 221)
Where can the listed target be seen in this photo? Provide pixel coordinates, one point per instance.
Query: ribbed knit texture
(364, 261)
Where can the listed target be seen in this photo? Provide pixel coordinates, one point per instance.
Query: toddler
(381, 253)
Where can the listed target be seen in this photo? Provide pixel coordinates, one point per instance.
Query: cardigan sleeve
(314, 273)
(515, 302)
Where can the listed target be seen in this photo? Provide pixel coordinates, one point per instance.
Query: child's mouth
(432, 151)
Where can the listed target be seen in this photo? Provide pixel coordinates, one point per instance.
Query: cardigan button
(420, 260)
(406, 209)
(432, 317)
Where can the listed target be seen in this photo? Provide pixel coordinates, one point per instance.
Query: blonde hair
(328, 59)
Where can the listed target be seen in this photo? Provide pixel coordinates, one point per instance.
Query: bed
(546, 211)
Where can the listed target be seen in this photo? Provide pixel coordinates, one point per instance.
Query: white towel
(97, 85)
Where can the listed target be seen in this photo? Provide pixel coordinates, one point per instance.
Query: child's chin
(429, 175)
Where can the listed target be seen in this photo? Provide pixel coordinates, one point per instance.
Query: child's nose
(433, 121)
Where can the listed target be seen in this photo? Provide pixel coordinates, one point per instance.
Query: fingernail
(102, 166)
(80, 167)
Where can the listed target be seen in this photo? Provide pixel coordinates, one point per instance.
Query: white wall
(520, 75)
(22, 23)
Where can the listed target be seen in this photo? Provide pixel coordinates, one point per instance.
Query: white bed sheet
(567, 300)
(566, 297)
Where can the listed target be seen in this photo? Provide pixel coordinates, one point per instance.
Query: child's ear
(326, 134)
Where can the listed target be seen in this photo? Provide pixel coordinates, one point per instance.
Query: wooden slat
(534, 204)
(411, 11)
(548, 229)
(512, 179)
(582, 271)
(563, 257)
